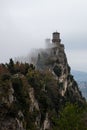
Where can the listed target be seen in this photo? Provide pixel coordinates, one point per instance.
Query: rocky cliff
(54, 59)
(30, 99)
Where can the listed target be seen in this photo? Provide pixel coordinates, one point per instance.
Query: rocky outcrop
(46, 124)
(54, 59)
(34, 103)
(30, 99)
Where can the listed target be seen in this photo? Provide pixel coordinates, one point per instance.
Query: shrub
(71, 118)
(5, 77)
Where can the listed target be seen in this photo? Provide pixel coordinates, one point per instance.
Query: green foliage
(70, 118)
(47, 92)
(18, 67)
(11, 63)
(20, 93)
(5, 76)
(30, 118)
(11, 66)
(4, 87)
(31, 66)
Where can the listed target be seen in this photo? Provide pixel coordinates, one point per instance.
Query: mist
(26, 24)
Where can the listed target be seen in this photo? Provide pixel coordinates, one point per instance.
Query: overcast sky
(24, 24)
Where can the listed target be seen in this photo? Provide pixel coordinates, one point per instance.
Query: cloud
(25, 25)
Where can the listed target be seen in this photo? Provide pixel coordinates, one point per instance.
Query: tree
(11, 66)
(71, 118)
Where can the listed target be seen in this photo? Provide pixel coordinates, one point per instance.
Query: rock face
(54, 59)
(30, 98)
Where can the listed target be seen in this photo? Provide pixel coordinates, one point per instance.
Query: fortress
(53, 53)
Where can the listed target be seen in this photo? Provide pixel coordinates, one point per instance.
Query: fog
(25, 24)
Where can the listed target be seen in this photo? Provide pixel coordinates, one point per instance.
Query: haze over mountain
(79, 75)
(25, 25)
(81, 78)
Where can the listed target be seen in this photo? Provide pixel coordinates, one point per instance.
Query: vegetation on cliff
(31, 99)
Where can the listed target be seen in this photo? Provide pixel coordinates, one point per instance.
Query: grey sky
(24, 24)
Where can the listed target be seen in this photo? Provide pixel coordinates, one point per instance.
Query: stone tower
(56, 38)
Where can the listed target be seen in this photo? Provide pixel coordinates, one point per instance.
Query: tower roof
(56, 32)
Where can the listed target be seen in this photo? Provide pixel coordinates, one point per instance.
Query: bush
(71, 118)
(5, 77)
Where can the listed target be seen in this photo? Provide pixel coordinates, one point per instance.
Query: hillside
(39, 97)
